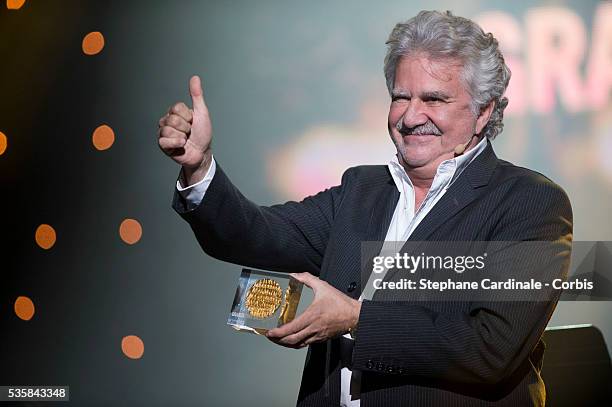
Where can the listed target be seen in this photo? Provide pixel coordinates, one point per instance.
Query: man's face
(430, 111)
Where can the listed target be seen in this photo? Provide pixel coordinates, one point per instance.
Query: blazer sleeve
(289, 237)
(488, 343)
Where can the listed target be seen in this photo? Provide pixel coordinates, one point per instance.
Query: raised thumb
(197, 97)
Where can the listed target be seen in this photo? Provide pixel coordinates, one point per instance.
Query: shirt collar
(454, 165)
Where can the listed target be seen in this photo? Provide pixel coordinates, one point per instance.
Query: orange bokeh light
(103, 137)
(3, 143)
(93, 43)
(14, 4)
(132, 346)
(130, 231)
(45, 236)
(24, 308)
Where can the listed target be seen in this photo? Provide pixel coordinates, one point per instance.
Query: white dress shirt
(404, 221)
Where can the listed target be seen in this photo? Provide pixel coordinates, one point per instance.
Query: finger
(310, 340)
(162, 121)
(178, 122)
(197, 96)
(277, 342)
(308, 279)
(292, 327)
(298, 339)
(182, 110)
(171, 132)
(171, 143)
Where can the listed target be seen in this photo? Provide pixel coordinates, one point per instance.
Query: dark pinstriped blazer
(418, 354)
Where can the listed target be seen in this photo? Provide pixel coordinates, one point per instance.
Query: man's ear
(484, 116)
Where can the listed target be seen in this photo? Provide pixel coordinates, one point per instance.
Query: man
(446, 78)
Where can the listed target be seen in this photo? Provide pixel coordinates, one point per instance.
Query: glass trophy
(264, 300)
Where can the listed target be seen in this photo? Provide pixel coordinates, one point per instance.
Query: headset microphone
(460, 148)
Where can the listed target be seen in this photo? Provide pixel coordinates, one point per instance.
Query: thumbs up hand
(185, 134)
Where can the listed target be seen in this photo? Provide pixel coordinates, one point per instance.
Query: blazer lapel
(378, 225)
(382, 212)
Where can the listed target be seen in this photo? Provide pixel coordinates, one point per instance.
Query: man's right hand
(185, 134)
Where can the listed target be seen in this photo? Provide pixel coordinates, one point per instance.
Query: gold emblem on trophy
(263, 298)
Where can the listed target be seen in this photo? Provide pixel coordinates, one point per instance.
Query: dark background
(289, 85)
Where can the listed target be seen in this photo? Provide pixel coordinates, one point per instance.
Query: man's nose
(414, 115)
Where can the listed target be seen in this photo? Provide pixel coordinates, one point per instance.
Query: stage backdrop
(103, 286)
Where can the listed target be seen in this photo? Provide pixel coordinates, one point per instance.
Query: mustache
(426, 128)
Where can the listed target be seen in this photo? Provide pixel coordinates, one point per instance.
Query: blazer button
(351, 287)
(390, 369)
(380, 366)
(370, 364)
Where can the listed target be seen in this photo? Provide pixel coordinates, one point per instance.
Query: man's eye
(434, 101)
(400, 99)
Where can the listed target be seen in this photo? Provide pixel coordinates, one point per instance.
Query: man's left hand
(331, 313)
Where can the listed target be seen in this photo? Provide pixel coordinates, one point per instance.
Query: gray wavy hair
(439, 35)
